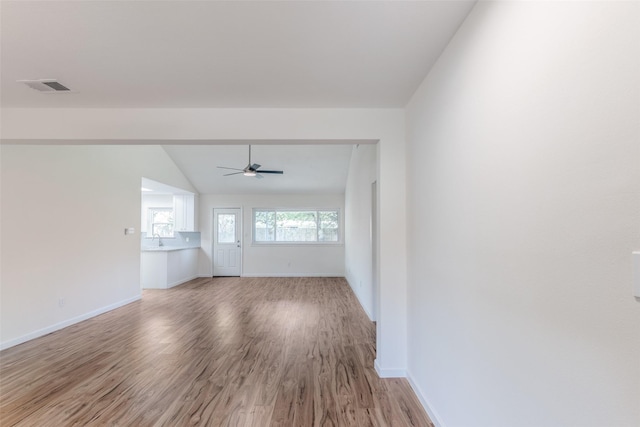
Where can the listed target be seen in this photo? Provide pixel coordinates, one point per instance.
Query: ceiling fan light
(249, 173)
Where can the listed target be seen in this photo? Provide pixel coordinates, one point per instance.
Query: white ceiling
(150, 186)
(307, 169)
(223, 53)
(228, 54)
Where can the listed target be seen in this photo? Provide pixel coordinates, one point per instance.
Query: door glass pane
(226, 228)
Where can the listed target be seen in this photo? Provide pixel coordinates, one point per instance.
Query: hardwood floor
(212, 352)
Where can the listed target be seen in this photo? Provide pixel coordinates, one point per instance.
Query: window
(160, 222)
(296, 226)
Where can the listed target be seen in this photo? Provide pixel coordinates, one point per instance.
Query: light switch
(636, 273)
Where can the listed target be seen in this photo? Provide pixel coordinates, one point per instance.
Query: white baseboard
(181, 281)
(291, 275)
(65, 323)
(369, 315)
(433, 414)
(389, 373)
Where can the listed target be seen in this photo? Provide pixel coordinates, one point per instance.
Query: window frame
(338, 242)
(150, 223)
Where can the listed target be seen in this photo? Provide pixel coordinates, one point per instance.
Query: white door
(227, 245)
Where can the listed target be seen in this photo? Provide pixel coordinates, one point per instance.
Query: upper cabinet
(184, 212)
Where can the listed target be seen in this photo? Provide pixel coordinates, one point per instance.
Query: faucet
(159, 239)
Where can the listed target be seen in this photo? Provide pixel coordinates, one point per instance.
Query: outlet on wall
(61, 302)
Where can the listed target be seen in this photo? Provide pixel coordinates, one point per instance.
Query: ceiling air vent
(46, 85)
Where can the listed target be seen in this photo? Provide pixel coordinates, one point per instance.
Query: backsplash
(178, 241)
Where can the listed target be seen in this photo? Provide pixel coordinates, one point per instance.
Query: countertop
(165, 248)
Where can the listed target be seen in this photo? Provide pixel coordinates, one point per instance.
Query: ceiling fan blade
(250, 170)
(233, 169)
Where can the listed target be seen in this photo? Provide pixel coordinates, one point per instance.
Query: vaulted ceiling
(307, 168)
(223, 54)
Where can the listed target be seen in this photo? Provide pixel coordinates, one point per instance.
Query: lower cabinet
(165, 269)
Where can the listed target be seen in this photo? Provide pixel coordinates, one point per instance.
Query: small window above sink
(160, 222)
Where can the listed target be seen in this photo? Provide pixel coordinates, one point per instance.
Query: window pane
(161, 222)
(289, 226)
(162, 215)
(226, 228)
(296, 227)
(328, 226)
(265, 226)
(162, 230)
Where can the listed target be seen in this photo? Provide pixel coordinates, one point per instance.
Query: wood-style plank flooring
(212, 352)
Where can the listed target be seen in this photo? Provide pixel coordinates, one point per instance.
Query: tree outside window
(296, 226)
(161, 222)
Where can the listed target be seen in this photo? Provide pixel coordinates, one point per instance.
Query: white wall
(523, 208)
(64, 211)
(358, 255)
(237, 125)
(273, 260)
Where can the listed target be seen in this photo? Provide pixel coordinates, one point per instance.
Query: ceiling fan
(250, 170)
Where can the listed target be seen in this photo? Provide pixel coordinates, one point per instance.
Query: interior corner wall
(358, 237)
(273, 260)
(65, 256)
(523, 208)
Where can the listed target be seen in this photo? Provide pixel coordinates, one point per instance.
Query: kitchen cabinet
(184, 212)
(162, 269)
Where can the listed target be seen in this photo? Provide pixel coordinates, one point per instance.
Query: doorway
(374, 249)
(227, 242)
